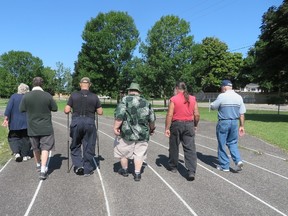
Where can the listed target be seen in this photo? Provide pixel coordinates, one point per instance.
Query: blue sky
(51, 30)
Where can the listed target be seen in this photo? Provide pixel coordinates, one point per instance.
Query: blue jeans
(227, 134)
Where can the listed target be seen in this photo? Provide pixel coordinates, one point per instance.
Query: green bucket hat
(134, 86)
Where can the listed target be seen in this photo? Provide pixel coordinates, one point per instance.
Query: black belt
(183, 121)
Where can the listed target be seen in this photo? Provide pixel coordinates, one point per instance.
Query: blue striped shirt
(230, 105)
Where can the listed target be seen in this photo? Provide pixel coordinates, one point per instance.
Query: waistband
(182, 121)
(227, 119)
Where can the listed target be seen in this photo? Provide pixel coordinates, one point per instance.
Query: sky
(51, 30)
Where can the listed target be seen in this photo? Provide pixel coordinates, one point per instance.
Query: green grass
(266, 125)
(5, 152)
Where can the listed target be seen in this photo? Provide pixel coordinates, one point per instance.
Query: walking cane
(98, 144)
(68, 153)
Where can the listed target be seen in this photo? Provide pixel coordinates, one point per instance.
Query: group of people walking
(28, 115)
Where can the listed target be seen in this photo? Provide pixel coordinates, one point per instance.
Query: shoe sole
(223, 170)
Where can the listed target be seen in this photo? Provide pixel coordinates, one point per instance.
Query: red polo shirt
(183, 111)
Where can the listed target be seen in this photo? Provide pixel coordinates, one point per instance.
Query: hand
(241, 131)
(152, 131)
(117, 131)
(5, 123)
(167, 133)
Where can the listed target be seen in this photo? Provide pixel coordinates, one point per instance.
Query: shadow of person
(208, 159)
(162, 160)
(131, 167)
(55, 162)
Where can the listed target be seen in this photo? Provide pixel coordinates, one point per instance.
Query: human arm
(99, 111)
(117, 125)
(168, 120)
(216, 104)
(196, 116)
(241, 126)
(5, 122)
(67, 109)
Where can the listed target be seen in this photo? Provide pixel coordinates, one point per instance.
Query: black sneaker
(43, 175)
(172, 169)
(123, 172)
(137, 177)
(190, 176)
(79, 170)
(18, 157)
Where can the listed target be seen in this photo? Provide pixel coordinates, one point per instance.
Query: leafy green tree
(271, 51)
(217, 63)
(167, 53)
(22, 65)
(48, 76)
(109, 42)
(8, 84)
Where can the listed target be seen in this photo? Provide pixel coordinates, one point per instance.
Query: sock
(43, 169)
(38, 164)
(137, 172)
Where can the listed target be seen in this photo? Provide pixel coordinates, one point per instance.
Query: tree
(22, 66)
(217, 63)
(109, 42)
(271, 50)
(167, 53)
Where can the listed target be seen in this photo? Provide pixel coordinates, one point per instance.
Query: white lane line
(251, 149)
(235, 185)
(99, 173)
(37, 190)
(169, 186)
(103, 188)
(34, 198)
(5, 165)
(262, 168)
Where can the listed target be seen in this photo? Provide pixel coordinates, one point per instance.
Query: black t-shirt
(84, 103)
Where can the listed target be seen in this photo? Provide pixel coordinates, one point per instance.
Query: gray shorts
(130, 149)
(39, 143)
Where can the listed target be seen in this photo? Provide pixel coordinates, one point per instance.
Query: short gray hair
(23, 88)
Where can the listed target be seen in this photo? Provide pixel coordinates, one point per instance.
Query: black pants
(83, 133)
(19, 142)
(183, 132)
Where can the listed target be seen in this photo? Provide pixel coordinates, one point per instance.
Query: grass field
(266, 125)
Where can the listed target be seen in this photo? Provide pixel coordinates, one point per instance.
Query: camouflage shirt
(136, 113)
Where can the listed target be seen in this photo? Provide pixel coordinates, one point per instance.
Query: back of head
(37, 81)
(181, 85)
(23, 88)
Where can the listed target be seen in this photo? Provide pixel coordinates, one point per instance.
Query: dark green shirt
(136, 113)
(38, 105)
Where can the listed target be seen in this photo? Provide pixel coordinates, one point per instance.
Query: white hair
(23, 88)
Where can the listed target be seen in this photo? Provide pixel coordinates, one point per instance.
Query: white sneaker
(239, 166)
(26, 158)
(221, 169)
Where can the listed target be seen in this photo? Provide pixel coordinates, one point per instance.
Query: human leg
(232, 142)
(189, 148)
(35, 142)
(89, 143)
(222, 130)
(174, 141)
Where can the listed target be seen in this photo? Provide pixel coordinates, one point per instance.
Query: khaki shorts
(130, 149)
(39, 143)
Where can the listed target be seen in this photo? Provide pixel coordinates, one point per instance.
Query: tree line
(167, 54)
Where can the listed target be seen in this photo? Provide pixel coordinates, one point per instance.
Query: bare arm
(67, 109)
(99, 111)
(117, 125)
(168, 120)
(196, 115)
(241, 126)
